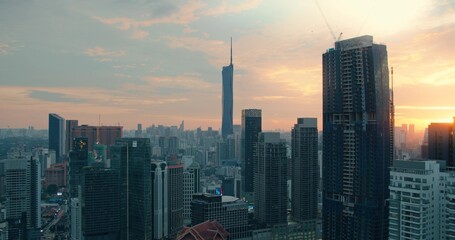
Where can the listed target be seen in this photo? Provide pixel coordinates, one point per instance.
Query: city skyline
(158, 62)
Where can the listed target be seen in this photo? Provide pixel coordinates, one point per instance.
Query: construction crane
(327, 23)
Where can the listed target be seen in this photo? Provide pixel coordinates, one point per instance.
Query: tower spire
(231, 51)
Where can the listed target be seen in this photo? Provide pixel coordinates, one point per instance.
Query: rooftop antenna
(231, 50)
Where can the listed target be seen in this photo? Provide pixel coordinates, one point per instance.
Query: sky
(160, 61)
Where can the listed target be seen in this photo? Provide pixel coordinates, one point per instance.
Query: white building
(160, 199)
(188, 191)
(422, 200)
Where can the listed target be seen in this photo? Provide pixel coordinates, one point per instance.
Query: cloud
(139, 34)
(52, 96)
(271, 98)
(103, 55)
(188, 81)
(426, 108)
(4, 48)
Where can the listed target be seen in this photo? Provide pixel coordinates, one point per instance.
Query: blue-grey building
(357, 149)
(57, 135)
(227, 99)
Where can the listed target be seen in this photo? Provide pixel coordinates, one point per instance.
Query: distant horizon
(161, 61)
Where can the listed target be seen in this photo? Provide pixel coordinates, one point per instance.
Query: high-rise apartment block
(228, 99)
(230, 212)
(357, 141)
(57, 136)
(270, 186)
(305, 174)
(422, 200)
(441, 144)
(251, 127)
(23, 195)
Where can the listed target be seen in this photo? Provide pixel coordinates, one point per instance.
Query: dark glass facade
(132, 157)
(100, 201)
(251, 127)
(441, 142)
(227, 99)
(78, 160)
(57, 135)
(357, 140)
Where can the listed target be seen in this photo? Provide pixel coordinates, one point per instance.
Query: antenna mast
(98, 130)
(231, 50)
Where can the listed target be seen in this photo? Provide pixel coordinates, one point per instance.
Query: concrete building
(23, 195)
(305, 174)
(270, 205)
(251, 127)
(56, 175)
(188, 191)
(357, 140)
(175, 197)
(421, 200)
(70, 124)
(227, 99)
(230, 212)
(57, 136)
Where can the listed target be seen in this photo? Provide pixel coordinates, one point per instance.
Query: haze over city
(159, 62)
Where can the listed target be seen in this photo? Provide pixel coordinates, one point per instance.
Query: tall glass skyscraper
(357, 139)
(57, 135)
(251, 127)
(132, 157)
(227, 99)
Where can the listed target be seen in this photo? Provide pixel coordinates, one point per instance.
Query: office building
(56, 175)
(357, 141)
(270, 205)
(251, 126)
(305, 174)
(175, 197)
(188, 191)
(195, 169)
(78, 160)
(57, 136)
(100, 201)
(160, 200)
(440, 142)
(132, 157)
(227, 99)
(230, 212)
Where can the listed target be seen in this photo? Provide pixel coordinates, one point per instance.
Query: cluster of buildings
(245, 183)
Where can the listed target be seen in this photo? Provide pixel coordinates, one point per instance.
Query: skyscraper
(78, 160)
(251, 126)
(175, 197)
(23, 192)
(227, 99)
(57, 135)
(305, 173)
(270, 186)
(105, 135)
(357, 140)
(132, 157)
(100, 203)
(70, 124)
(160, 200)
